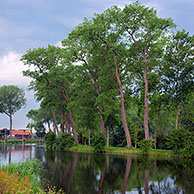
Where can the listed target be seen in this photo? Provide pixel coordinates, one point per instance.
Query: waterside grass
(18, 141)
(23, 178)
(123, 150)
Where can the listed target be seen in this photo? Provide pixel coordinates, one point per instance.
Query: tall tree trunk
(177, 116)
(146, 102)
(73, 127)
(123, 112)
(127, 171)
(66, 97)
(54, 120)
(146, 127)
(66, 122)
(10, 128)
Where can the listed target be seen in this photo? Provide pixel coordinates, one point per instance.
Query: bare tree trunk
(65, 120)
(177, 116)
(146, 127)
(146, 102)
(10, 129)
(73, 127)
(55, 120)
(123, 112)
(127, 171)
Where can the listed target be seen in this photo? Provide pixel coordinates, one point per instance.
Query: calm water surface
(80, 173)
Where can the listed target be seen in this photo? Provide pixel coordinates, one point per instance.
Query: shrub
(50, 139)
(181, 142)
(98, 142)
(175, 141)
(14, 184)
(64, 140)
(188, 149)
(145, 145)
(28, 172)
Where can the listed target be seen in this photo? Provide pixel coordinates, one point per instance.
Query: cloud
(11, 70)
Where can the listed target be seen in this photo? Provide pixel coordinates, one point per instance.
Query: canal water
(83, 173)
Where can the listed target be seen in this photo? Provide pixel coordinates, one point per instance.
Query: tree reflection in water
(106, 174)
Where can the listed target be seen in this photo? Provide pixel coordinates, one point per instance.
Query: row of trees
(124, 68)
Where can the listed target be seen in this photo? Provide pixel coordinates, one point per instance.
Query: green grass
(18, 141)
(123, 150)
(33, 169)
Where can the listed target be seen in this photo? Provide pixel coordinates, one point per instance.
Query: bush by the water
(181, 142)
(50, 139)
(23, 176)
(64, 140)
(98, 142)
(145, 145)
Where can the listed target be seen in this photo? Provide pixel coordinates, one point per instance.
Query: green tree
(178, 70)
(144, 32)
(12, 99)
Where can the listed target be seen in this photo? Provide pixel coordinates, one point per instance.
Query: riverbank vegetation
(18, 141)
(125, 73)
(23, 178)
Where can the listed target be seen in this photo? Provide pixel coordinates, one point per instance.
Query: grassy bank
(18, 141)
(22, 178)
(123, 150)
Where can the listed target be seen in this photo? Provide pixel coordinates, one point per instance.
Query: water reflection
(106, 174)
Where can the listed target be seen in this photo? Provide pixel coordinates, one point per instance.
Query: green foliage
(175, 141)
(145, 145)
(181, 142)
(64, 140)
(188, 149)
(98, 142)
(161, 140)
(12, 99)
(50, 139)
(31, 169)
(117, 139)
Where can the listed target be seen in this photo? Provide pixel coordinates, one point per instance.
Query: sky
(29, 24)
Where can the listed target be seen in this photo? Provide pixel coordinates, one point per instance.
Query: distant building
(19, 134)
